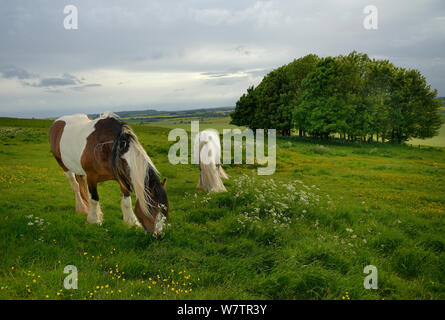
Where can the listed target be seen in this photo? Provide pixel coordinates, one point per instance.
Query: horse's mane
(158, 190)
(110, 114)
(125, 128)
(139, 163)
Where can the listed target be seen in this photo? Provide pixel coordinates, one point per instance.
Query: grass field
(215, 123)
(437, 141)
(306, 232)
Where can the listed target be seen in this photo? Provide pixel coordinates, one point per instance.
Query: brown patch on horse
(96, 156)
(55, 134)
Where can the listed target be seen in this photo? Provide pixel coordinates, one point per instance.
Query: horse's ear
(163, 182)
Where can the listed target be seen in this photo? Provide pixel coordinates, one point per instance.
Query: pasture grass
(306, 232)
(437, 141)
(204, 123)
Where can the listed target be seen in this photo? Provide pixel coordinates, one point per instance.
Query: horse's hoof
(134, 223)
(94, 221)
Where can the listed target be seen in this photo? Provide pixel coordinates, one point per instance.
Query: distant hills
(143, 116)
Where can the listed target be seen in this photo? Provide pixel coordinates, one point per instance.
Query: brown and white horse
(92, 151)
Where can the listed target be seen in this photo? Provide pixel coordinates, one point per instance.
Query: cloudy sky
(171, 55)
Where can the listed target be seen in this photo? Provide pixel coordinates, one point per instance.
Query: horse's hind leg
(221, 172)
(95, 214)
(83, 188)
(200, 185)
(81, 206)
(127, 209)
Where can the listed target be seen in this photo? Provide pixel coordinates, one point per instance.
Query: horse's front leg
(127, 209)
(95, 214)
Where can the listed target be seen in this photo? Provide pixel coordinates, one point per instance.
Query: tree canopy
(351, 97)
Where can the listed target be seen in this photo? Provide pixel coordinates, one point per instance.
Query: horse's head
(157, 205)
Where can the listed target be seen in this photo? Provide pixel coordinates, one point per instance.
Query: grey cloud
(90, 85)
(216, 74)
(234, 41)
(49, 84)
(14, 72)
(66, 80)
(10, 72)
(236, 73)
(53, 91)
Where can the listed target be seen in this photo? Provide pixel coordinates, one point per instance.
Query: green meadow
(306, 232)
(204, 123)
(437, 141)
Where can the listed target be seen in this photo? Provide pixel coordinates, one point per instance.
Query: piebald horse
(92, 151)
(207, 151)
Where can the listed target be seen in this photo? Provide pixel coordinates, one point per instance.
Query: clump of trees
(349, 97)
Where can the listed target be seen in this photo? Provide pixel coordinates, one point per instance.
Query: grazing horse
(207, 151)
(92, 151)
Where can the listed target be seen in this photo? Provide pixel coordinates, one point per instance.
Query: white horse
(207, 152)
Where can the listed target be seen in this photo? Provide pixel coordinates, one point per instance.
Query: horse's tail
(222, 173)
(134, 172)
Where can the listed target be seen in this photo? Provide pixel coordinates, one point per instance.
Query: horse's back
(210, 138)
(68, 138)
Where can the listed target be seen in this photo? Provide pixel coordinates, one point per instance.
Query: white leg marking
(127, 210)
(81, 206)
(95, 215)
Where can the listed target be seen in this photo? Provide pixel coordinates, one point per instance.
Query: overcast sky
(171, 55)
